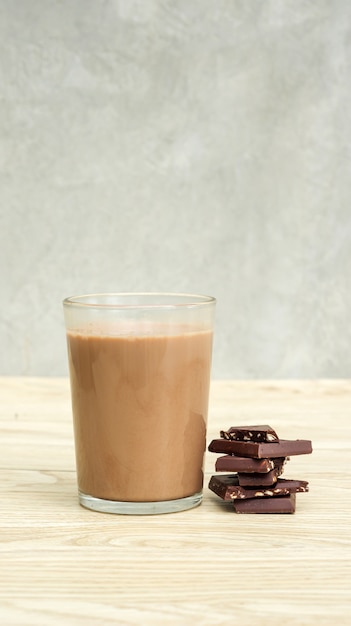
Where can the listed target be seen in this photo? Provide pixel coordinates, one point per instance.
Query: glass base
(139, 508)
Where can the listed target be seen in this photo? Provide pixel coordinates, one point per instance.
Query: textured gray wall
(190, 145)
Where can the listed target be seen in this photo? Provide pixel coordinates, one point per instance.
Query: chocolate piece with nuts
(231, 463)
(284, 447)
(262, 480)
(260, 434)
(227, 487)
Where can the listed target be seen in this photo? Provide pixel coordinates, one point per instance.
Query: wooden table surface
(63, 564)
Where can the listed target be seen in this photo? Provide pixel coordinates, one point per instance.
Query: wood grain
(62, 563)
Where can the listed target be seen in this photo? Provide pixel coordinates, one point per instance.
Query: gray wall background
(179, 145)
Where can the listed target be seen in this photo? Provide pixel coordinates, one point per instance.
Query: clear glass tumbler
(140, 376)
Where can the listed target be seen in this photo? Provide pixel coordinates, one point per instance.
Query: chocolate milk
(140, 411)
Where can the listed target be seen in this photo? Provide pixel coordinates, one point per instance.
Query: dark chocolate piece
(247, 465)
(258, 480)
(254, 479)
(284, 504)
(284, 447)
(227, 487)
(260, 434)
(231, 463)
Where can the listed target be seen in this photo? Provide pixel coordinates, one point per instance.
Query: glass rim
(193, 300)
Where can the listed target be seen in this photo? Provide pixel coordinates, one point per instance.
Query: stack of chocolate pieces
(258, 457)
